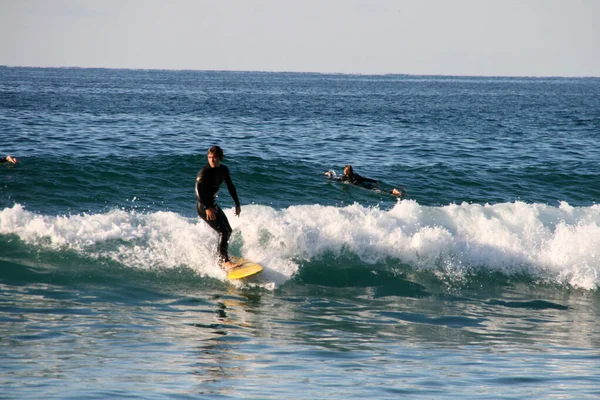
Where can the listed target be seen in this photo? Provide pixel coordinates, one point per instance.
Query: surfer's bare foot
(396, 192)
(228, 265)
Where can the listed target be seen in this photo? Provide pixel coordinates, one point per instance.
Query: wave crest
(553, 244)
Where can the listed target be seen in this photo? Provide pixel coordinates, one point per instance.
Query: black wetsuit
(208, 182)
(3, 159)
(356, 179)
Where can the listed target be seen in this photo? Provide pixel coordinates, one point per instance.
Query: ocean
(481, 283)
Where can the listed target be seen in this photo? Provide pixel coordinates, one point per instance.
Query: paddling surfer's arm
(332, 175)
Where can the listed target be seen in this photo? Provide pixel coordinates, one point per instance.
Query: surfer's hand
(211, 214)
(328, 173)
(238, 210)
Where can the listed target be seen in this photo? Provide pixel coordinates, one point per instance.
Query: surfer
(357, 180)
(208, 181)
(8, 159)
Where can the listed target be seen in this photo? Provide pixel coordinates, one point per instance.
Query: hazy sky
(440, 37)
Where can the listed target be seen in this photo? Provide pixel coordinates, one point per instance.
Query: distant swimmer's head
(215, 156)
(348, 170)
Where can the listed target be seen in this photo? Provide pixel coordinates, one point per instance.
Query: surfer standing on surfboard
(208, 181)
(355, 179)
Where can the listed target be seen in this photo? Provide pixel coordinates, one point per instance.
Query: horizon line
(308, 72)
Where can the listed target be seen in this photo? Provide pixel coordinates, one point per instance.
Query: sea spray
(556, 244)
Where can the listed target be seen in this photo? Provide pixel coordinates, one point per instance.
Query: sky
(417, 37)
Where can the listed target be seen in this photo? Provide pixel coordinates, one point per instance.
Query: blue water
(481, 283)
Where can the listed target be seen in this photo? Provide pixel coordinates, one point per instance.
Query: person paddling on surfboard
(8, 159)
(357, 180)
(208, 181)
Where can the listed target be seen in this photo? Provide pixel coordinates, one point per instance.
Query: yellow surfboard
(243, 269)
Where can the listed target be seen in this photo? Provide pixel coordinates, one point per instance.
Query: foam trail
(144, 241)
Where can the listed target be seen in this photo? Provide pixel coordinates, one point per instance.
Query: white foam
(559, 244)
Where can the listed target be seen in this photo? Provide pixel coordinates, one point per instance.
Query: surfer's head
(348, 171)
(215, 156)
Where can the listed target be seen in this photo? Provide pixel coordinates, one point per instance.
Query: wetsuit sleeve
(231, 188)
(2, 159)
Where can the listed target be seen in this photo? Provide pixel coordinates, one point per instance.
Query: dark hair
(216, 150)
(349, 169)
